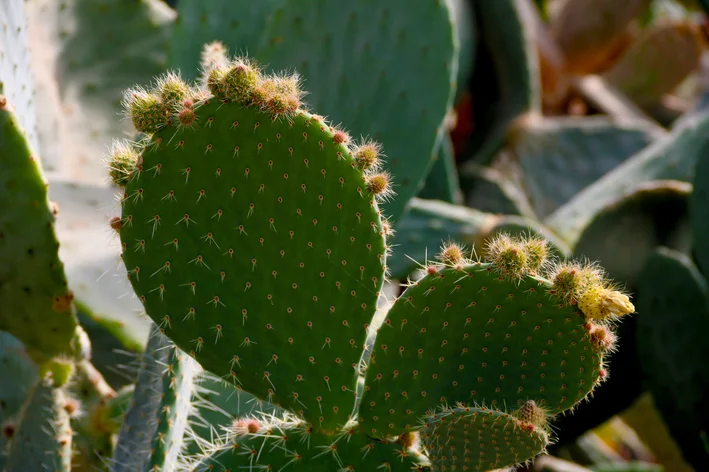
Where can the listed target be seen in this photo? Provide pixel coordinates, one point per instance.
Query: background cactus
(446, 163)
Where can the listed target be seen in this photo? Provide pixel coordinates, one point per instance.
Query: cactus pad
(15, 364)
(480, 439)
(672, 345)
(16, 81)
(173, 413)
(35, 302)
(384, 64)
(43, 438)
(489, 333)
(132, 449)
(671, 157)
(254, 241)
(255, 444)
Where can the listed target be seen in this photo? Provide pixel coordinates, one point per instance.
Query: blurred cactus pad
(353, 236)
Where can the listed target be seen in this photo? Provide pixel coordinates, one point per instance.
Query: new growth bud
(121, 162)
(145, 110)
(451, 254)
(601, 303)
(508, 256)
(379, 184)
(532, 414)
(367, 156)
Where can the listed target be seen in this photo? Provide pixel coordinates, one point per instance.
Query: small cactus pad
(480, 439)
(254, 240)
(173, 413)
(488, 333)
(132, 449)
(43, 437)
(35, 302)
(268, 444)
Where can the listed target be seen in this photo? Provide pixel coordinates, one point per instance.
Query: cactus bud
(451, 254)
(213, 55)
(186, 117)
(172, 90)
(216, 82)
(367, 155)
(508, 256)
(378, 184)
(121, 162)
(145, 110)
(601, 303)
(601, 337)
(116, 223)
(531, 413)
(240, 79)
(340, 137)
(61, 370)
(536, 251)
(243, 426)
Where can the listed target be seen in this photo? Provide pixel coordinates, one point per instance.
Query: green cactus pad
(442, 182)
(624, 233)
(35, 302)
(239, 25)
(217, 403)
(15, 364)
(672, 347)
(384, 64)
(479, 439)
(671, 157)
(293, 446)
(466, 334)
(256, 246)
(140, 423)
(512, 88)
(16, 80)
(492, 190)
(549, 150)
(173, 412)
(43, 438)
(102, 48)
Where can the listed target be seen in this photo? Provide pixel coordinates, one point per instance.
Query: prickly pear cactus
(243, 213)
(33, 286)
(253, 237)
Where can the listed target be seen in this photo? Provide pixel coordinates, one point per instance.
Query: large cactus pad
(255, 242)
